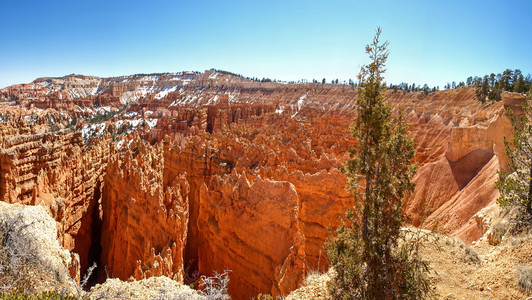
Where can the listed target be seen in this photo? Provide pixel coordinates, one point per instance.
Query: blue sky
(432, 42)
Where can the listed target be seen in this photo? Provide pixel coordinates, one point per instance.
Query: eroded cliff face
(458, 179)
(203, 173)
(55, 170)
(144, 226)
(251, 229)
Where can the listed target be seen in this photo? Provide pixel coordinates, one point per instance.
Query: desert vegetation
(516, 185)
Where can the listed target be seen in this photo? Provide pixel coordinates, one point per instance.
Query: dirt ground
(459, 271)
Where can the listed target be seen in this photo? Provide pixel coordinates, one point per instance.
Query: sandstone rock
(251, 229)
(52, 169)
(144, 225)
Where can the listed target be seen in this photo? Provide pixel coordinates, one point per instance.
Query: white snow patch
(300, 101)
(213, 100)
(135, 122)
(102, 109)
(165, 91)
(152, 122)
(93, 130)
(119, 144)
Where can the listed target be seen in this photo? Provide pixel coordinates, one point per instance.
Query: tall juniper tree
(369, 261)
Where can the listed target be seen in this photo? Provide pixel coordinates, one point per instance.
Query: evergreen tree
(516, 186)
(520, 84)
(492, 80)
(365, 252)
(483, 91)
(426, 88)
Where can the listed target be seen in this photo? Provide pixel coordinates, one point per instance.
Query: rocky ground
(457, 270)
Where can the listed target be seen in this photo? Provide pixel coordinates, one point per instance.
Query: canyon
(191, 173)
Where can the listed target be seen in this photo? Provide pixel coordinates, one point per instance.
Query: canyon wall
(55, 170)
(144, 226)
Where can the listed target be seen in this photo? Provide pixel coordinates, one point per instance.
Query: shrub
(215, 287)
(24, 265)
(524, 276)
(50, 295)
(472, 255)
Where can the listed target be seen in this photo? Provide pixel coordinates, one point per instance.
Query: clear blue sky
(431, 42)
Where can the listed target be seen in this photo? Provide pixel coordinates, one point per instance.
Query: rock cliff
(144, 226)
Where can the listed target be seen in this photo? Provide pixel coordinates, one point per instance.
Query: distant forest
(488, 87)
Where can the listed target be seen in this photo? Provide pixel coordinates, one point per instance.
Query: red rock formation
(322, 200)
(251, 229)
(144, 225)
(53, 170)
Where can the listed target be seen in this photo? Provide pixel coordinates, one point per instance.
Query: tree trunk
(528, 204)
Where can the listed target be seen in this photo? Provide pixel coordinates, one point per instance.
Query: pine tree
(516, 186)
(365, 252)
(483, 90)
(520, 84)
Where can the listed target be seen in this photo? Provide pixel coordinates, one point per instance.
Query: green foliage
(515, 186)
(365, 253)
(490, 86)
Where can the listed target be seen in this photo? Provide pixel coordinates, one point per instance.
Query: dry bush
(215, 287)
(471, 255)
(24, 264)
(498, 230)
(524, 276)
(50, 295)
(18, 263)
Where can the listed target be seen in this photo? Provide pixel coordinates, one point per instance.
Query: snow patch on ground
(152, 122)
(119, 144)
(130, 114)
(165, 91)
(299, 105)
(300, 101)
(102, 109)
(93, 130)
(213, 100)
